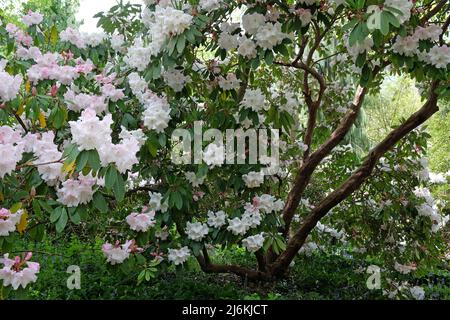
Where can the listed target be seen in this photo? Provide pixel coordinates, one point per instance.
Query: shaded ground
(317, 277)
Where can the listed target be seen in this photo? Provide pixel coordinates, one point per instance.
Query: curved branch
(207, 266)
(308, 167)
(433, 11)
(354, 181)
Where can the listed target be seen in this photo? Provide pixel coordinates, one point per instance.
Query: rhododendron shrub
(87, 120)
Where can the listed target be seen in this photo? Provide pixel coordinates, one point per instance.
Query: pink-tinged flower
(8, 221)
(198, 195)
(110, 91)
(117, 253)
(84, 67)
(18, 272)
(141, 221)
(54, 90)
(405, 268)
(32, 18)
(11, 29)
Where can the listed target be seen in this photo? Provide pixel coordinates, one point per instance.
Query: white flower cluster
(9, 85)
(141, 221)
(252, 215)
(228, 41)
(117, 253)
(309, 248)
(163, 23)
(176, 79)
(178, 256)
(139, 56)
(358, 48)
(268, 203)
(266, 34)
(438, 56)
(404, 6)
(214, 155)
(11, 149)
(109, 91)
(269, 35)
(32, 18)
(253, 243)
(429, 209)
(247, 47)
(89, 132)
(8, 221)
(47, 68)
(304, 15)
(156, 115)
(255, 100)
(253, 179)
(193, 179)
(196, 230)
(210, 5)
(156, 204)
(48, 156)
(82, 40)
(217, 219)
(74, 192)
(17, 272)
(339, 235)
(231, 82)
(19, 36)
(117, 43)
(82, 101)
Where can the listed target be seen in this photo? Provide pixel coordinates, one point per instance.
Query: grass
(317, 277)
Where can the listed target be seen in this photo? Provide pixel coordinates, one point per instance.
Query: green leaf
(358, 34)
(177, 200)
(361, 59)
(110, 177)
(37, 232)
(54, 216)
(384, 23)
(62, 221)
(94, 160)
(82, 160)
(350, 25)
(366, 76)
(162, 140)
(171, 45)
(196, 248)
(391, 18)
(119, 188)
(181, 43)
(75, 217)
(269, 57)
(190, 36)
(100, 202)
(54, 35)
(45, 206)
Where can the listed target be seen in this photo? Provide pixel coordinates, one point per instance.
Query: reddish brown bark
(306, 170)
(353, 182)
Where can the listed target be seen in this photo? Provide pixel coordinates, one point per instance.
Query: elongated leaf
(119, 188)
(111, 177)
(100, 202)
(62, 221)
